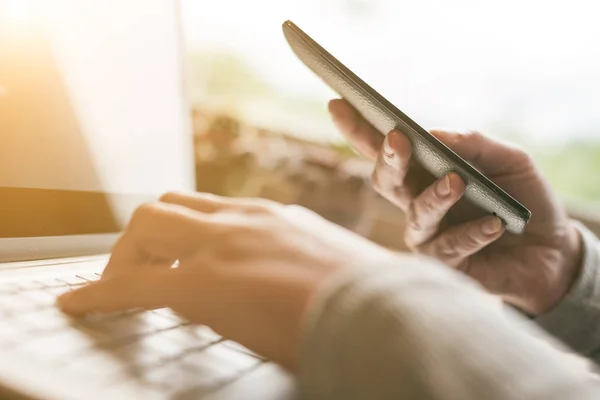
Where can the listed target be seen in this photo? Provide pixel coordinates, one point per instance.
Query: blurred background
(527, 71)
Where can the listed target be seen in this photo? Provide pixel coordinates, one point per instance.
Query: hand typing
(247, 267)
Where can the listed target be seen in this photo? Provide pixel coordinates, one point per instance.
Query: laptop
(93, 122)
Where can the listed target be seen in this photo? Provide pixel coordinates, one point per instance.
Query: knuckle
(388, 184)
(299, 214)
(223, 236)
(522, 155)
(409, 241)
(170, 197)
(413, 217)
(470, 242)
(236, 240)
(143, 219)
(144, 212)
(298, 209)
(448, 247)
(422, 250)
(231, 235)
(263, 206)
(376, 182)
(258, 208)
(401, 198)
(427, 205)
(474, 136)
(414, 224)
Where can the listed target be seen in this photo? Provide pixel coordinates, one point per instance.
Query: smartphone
(432, 154)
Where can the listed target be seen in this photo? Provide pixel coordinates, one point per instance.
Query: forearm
(576, 319)
(417, 330)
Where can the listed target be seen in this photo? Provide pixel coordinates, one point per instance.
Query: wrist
(569, 268)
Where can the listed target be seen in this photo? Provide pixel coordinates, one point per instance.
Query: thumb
(491, 156)
(150, 289)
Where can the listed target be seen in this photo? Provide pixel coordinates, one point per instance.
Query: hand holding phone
(432, 154)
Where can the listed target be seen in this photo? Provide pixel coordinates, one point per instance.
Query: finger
(492, 156)
(362, 136)
(149, 289)
(210, 203)
(429, 208)
(391, 168)
(157, 231)
(456, 244)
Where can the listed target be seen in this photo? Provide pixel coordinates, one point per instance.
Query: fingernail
(491, 226)
(443, 187)
(388, 152)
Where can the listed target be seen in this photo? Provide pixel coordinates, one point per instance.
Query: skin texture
(247, 268)
(533, 271)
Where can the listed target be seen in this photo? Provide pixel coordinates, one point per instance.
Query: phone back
(432, 154)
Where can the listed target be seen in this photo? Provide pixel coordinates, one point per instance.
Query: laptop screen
(92, 117)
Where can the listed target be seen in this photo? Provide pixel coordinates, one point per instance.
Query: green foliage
(573, 169)
(222, 79)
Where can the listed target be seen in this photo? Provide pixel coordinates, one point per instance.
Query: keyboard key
(192, 336)
(90, 277)
(167, 312)
(170, 377)
(72, 280)
(199, 372)
(137, 360)
(160, 322)
(163, 346)
(130, 390)
(27, 285)
(51, 283)
(8, 289)
(4, 314)
(140, 355)
(13, 329)
(129, 326)
(10, 340)
(60, 345)
(158, 349)
(236, 346)
(96, 362)
(49, 319)
(40, 298)
(16, 304)
(57, 290)
(144, 351)
(220, 357)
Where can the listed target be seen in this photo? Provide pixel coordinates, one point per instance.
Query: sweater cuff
(317, 376)
(350, 312)
(576, 319)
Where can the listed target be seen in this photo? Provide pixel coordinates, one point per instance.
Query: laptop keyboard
(157, 349)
